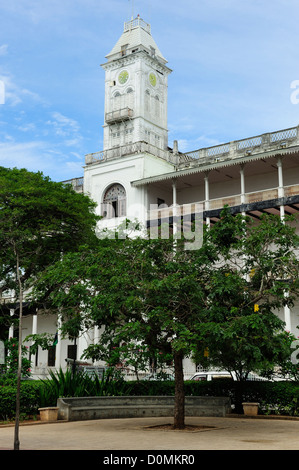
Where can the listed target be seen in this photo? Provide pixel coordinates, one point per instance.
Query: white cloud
(14, 93)
(66, 128)
(63, 125)
(38, 156)
(27, 127)
(3, 49)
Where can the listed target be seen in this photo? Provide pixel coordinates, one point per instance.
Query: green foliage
(80, 384)
(29, 400)
(154, 301)
(273, 397)
(40, 219)
(9, 369)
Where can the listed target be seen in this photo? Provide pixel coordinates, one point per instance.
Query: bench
(87, 408)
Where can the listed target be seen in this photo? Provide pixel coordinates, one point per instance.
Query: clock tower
(136, 83)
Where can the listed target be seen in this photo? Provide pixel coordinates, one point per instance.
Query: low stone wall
(87, 408)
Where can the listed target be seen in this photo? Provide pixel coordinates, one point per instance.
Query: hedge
(274, 397)
(29, 400)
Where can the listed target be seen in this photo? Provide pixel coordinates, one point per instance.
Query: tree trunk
(179, 403)
(17, 420)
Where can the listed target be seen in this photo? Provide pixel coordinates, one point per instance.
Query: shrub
(29, 400)
(9, 369)
(274, 397)
(79, 384)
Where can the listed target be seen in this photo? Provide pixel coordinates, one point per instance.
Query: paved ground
(138, 434)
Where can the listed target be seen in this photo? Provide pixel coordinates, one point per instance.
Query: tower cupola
(136, 84)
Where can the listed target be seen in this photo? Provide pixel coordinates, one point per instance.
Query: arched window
(116, 101)
(114, 202)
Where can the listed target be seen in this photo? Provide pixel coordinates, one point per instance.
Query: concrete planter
(107, 407)
(250, 409)
(48, 414)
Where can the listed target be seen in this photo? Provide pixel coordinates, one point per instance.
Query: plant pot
(250, 409)
(48, 414)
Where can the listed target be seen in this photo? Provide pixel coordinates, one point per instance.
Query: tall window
(51, 356)
(114, 202)
(116, 101)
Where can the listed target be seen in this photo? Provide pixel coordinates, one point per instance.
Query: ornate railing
(237, 148)
(119, 115)
(219, 203)
(77, 183)
(134, 23)
(128, 149)
(231, 150)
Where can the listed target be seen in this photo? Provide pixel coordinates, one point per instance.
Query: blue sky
(233, 63)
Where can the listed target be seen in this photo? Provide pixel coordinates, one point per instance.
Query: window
(114, 202)
(116, 101)
(128, 135)
(123, 50)
(72, 351)
(51, 356)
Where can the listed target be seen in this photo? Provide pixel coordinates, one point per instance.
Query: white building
(137, 169)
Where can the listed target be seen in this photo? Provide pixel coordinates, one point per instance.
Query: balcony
(76, 183)
(245, 148)
(255, 203)
(119, 115)
(127, 149)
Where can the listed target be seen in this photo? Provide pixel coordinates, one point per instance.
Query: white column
(96, 335)
(287, 318)
(11, 328)
(243, 197)
(58, 346)
(174, 205)
(34, 332)
(207, 197)
(280, 186)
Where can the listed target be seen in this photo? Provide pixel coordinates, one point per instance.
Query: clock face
(152, 79)
(123, 77)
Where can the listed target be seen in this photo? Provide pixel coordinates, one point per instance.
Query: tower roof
(136, 36)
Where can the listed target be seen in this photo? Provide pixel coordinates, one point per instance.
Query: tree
(178, 303)
(255, 275)
(39, 221)
(140, 291)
